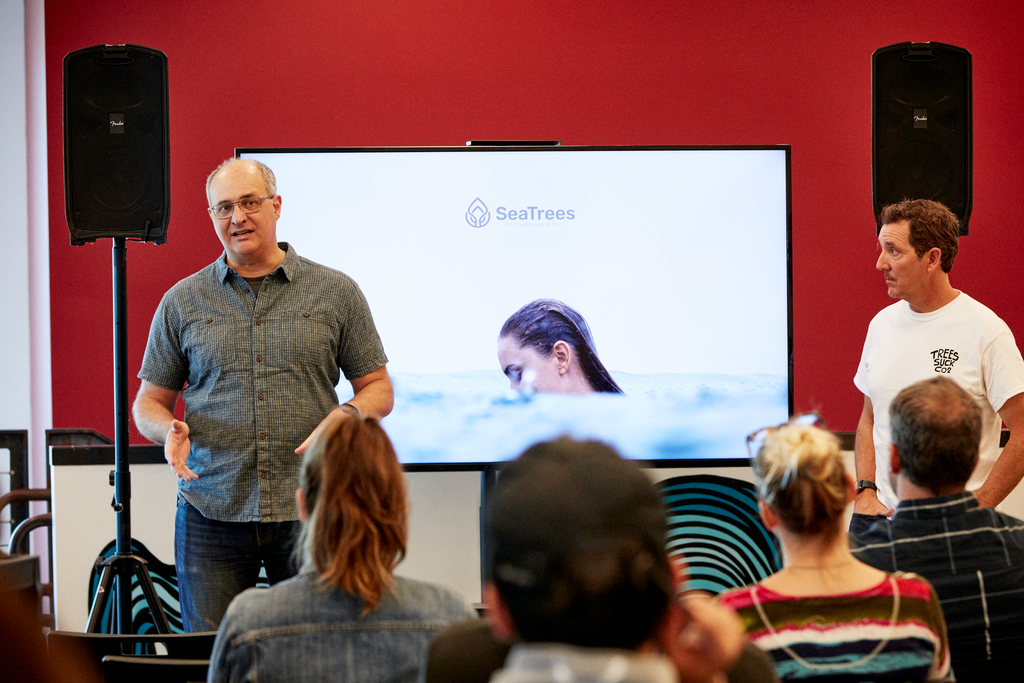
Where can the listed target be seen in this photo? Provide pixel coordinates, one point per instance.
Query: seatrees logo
(478, 215)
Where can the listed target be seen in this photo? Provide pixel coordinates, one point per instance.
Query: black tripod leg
(123, 574)
(149, 591)
(99, 600)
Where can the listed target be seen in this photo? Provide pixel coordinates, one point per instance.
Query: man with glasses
(935, 330)
(255, 344)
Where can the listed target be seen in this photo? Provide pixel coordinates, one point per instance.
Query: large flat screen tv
(676, 258)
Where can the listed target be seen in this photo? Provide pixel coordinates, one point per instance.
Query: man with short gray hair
(255, 344)
(973, 556)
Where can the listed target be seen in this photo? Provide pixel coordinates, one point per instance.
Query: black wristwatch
(865, 484)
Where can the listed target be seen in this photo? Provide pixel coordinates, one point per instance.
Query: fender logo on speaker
(920, 118)
(117, 123)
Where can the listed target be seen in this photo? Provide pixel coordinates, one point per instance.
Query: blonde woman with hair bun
(825, 613)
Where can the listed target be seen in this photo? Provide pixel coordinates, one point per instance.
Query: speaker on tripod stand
(921, 142)
(117, 184)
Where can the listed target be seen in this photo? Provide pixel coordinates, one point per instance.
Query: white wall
(15, 412)
(25, 393)
(444, 526)
(41, 395)
(444, 529)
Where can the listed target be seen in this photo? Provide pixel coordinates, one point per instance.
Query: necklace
(833, 667)
(821, 566)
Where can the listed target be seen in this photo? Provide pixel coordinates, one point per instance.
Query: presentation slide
(677, 259)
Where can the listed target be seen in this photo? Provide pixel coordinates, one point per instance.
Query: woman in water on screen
(547, 347)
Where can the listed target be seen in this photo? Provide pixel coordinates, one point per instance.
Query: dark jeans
(215, 561)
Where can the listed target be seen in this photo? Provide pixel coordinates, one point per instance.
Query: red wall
(403, 72)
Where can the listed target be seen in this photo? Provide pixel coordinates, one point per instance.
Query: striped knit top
(894, 631)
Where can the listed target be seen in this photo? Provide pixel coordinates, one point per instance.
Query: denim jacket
(294, 632)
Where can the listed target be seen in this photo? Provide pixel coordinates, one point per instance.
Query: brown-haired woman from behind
(345, 616)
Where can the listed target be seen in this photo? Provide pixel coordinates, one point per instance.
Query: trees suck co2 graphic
(943, 360)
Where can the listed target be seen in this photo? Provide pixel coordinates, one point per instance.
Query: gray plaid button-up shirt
(973, 556)
(257, 374)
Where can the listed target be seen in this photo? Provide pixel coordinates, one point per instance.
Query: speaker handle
(920, 52)
(115, 55)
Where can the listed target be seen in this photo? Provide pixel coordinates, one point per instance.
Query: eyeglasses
(756, 439)
(246, 204)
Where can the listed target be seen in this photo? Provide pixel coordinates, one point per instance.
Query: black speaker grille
(920, 169)
(125, 187)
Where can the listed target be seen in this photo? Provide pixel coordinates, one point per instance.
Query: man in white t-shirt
(934, 330)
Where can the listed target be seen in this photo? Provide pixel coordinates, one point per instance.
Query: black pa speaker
(116, 144)
(921, 126)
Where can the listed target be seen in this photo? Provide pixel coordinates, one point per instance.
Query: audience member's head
(799, 474)
(576, 548)
(931, 226)
(936, 432)
(352, 498)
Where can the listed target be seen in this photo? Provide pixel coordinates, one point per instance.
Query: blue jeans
(215, 561)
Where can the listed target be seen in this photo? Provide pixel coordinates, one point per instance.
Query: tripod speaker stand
(123, 565)
(117, 184)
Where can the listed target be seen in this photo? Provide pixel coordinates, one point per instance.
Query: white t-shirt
(964, 341)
